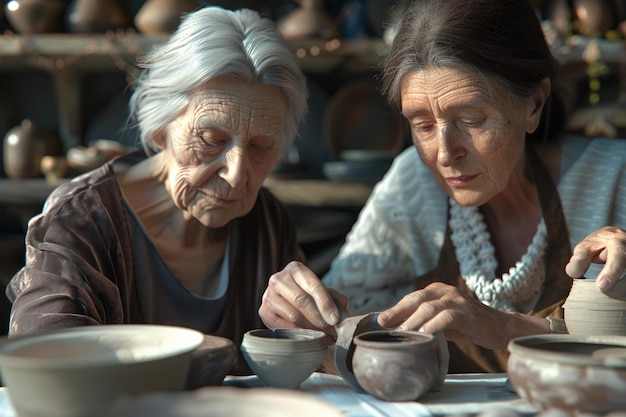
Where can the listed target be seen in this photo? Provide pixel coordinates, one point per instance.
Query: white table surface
(461, 394)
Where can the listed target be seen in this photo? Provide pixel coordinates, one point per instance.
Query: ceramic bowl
(589, 311)
(72, 372)
(570, 372)
(211, 362)
(397, 365)
(284, 358)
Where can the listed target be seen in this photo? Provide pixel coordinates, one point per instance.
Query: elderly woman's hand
(441, 307)
(606, 246)
(296, 297)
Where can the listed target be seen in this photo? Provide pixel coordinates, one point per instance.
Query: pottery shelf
(67, 56)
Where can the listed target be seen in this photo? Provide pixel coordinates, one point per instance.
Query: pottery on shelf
(588, 311)
(399, 365)
(162, 16)
(595, 16)
(36, 16)
(23, 148)
(310, 20)
(284, 358)
(97, 16)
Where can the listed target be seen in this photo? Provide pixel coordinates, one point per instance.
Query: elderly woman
(471, 231)
(182, 233)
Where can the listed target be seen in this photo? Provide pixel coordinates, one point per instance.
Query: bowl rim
(308, 335)
(527, 346)
(11, 344)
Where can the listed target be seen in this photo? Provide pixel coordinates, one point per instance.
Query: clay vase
(595, 16)
(162, 16)
(590, 312)
(310, 20)
(96, 16)
(36, 16)
(24, 147)
(399, 365)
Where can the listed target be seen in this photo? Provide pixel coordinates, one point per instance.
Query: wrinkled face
(221, 148)
(470, 133)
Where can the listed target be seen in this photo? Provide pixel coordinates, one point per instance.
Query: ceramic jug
(35, 16)
(162, 16)
(96, 16)
(24, 147)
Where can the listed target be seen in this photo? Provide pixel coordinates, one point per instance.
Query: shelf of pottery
(67, 40)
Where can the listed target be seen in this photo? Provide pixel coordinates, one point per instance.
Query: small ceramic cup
(399, 365)
(284, 358)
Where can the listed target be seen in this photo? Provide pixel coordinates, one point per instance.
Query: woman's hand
(605, 246)
(296, 297)
(441, 307)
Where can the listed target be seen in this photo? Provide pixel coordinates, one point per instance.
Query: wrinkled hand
(604, 246)
(441, 307)
(296, 297)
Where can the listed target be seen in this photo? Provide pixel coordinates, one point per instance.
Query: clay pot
(284, 358)
(308, 21)
(24, 147)
(162, 16)
(595, 16)
(97, 16)
(398, 365)
(590, 312)
(211, 362)
(36, 16)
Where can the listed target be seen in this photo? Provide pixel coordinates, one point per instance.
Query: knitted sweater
(400, 231)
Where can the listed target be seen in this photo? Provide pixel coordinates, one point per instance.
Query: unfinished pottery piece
(588, 311)
(284, 358)
(398, 365)
(586, 374)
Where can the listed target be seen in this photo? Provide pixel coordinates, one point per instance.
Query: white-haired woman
(181, 232)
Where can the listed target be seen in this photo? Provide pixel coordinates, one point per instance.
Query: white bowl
(72, 372)
(284, 358)
(570, 372)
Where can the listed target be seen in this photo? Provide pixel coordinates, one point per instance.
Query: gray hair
(212, 42)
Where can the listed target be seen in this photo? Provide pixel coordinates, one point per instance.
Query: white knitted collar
(518, 290)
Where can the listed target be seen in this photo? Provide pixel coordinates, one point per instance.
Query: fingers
(295, 297)
(606, 246)
(613, 269)
(416, 308)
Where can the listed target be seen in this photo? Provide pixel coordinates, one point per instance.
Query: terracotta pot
(36, 16)
(398, 366)
(24, 147)
(162, 16)
(97, 16)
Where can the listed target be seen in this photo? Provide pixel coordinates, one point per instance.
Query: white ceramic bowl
(570, 372)
(72, 372)
(284, 358)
